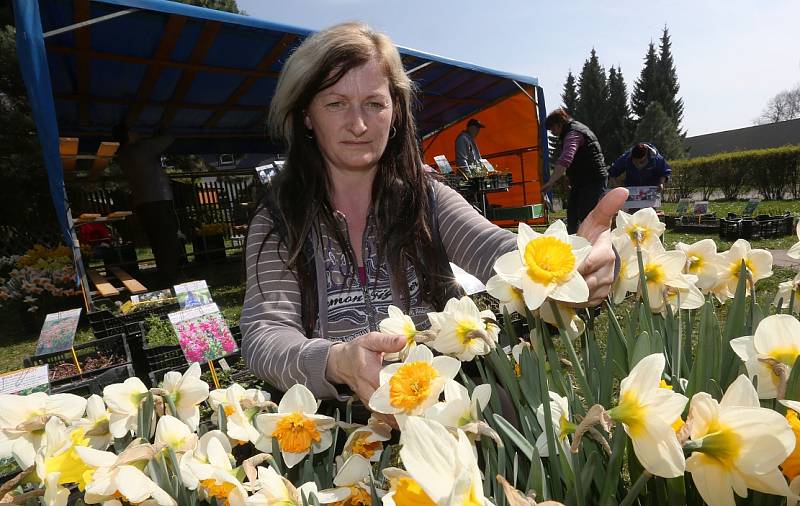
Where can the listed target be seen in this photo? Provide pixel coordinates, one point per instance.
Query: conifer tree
(645, 89)
(660, 130)
(569, 96)
(618, 126)
(668, 81)
(592, 95)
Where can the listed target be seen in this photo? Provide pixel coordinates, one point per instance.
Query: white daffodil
(272, 489)
(95, 423)
(209, 471)
(628, 277)
(409, 388)
(643, 228)
(736, 444)
(664, 270)
(574, 325)
(240, 407)
(777, 337)
(352, 482)
(399, 324)
(509, 296)
(23, 418)
(58, 455)
(784, 295)
(794, 251)
(689, 298)
(54, 494)
(196, 465)
(296, 426)
(463, 331)
(703, 261)
(439, 465)
(562, 426)
(460, 410)
(546, 265)
(175, 434)
(367, 440)
(186, 391)
(117, 477)
(647, 413)
(757, 261)
(123, 401)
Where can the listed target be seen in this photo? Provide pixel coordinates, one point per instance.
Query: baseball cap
(475, 122)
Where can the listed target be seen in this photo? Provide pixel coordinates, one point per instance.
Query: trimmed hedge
(774, 173)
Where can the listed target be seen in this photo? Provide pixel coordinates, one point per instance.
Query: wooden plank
(68, 147)
(168, 40)
(266, 61)
(126, 58)
(130, 283)
(163, 103)
(105, 288)
(105, 152)
(83, 65)
(201, 48)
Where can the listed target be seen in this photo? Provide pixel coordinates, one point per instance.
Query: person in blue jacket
(642, 165)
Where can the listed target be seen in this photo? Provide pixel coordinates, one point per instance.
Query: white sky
(731, 56)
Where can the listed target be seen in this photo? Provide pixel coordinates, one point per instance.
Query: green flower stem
(576, 364)
(636, 489)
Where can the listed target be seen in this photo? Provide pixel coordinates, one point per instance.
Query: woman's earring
(393, 132)
(309, 134)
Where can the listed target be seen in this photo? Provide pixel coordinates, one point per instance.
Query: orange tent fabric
(510, 142)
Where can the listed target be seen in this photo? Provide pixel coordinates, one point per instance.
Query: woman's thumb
(386, 343)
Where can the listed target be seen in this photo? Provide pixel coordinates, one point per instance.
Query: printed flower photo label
(193, 294)
(203, 333)
(58, 331)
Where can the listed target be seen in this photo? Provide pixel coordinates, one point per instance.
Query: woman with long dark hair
(353, 224)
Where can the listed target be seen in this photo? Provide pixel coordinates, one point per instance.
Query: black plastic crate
(156, 376)
(87, 387)
(104, 323)
(114, 346)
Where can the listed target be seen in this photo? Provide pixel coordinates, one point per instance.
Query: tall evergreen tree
(220, 5)
(660, 130)
(618, 125)
(592, 95)
(645, 89)
(569, 96)
(668, 77)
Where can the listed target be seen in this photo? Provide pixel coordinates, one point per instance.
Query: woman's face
(351, 120)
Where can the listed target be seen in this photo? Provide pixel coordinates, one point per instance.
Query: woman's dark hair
(298, 198)
(558, 117)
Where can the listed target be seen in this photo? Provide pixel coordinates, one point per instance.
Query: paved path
(781, 259)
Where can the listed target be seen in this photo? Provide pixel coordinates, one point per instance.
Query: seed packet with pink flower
(203, 333)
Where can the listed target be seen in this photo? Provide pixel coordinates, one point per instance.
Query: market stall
(182, 69)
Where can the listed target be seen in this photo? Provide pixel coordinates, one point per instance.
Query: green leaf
(708, 351)
(613, 467)
(513, 434)
(735, 326)
(222, 418)
(793, 384)
(642, 347)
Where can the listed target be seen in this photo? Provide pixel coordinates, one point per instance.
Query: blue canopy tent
(205, 76)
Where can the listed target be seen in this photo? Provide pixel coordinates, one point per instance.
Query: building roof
(772, 135)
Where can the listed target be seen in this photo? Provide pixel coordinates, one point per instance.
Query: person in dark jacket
(642, 165)
(581, 160)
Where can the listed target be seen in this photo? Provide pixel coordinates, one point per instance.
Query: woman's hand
(598, 268)
(358, 363)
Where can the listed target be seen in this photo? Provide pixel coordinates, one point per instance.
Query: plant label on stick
(203, 333)
(192, 294)
(25, 381)
(58, 331)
